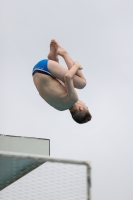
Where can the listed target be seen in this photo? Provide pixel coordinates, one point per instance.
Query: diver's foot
(53, 52)
(60, 50)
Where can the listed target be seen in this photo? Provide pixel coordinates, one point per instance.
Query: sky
(97, 34)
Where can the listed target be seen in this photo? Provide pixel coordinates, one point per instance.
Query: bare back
(52, 91)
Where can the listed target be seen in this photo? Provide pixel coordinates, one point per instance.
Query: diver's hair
(81, 117)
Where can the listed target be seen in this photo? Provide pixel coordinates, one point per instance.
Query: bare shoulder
(53, 91)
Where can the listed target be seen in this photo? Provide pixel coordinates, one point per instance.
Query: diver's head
(80, 112)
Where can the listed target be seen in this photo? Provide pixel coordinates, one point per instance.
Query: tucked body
(56, 84)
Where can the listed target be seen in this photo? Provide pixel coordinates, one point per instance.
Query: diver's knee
(83, 84)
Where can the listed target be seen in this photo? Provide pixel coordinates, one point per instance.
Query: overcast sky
(99, 35)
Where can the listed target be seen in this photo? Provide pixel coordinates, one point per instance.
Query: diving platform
(56, 179)
(12, 165)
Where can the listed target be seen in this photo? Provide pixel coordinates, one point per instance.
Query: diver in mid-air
(56, 84)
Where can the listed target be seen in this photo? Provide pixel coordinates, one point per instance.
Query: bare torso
(52, 91)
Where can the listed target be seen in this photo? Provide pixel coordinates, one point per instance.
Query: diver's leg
(58, 71)
(68, 60)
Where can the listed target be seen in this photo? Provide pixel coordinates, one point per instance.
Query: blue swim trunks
(41, 67)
